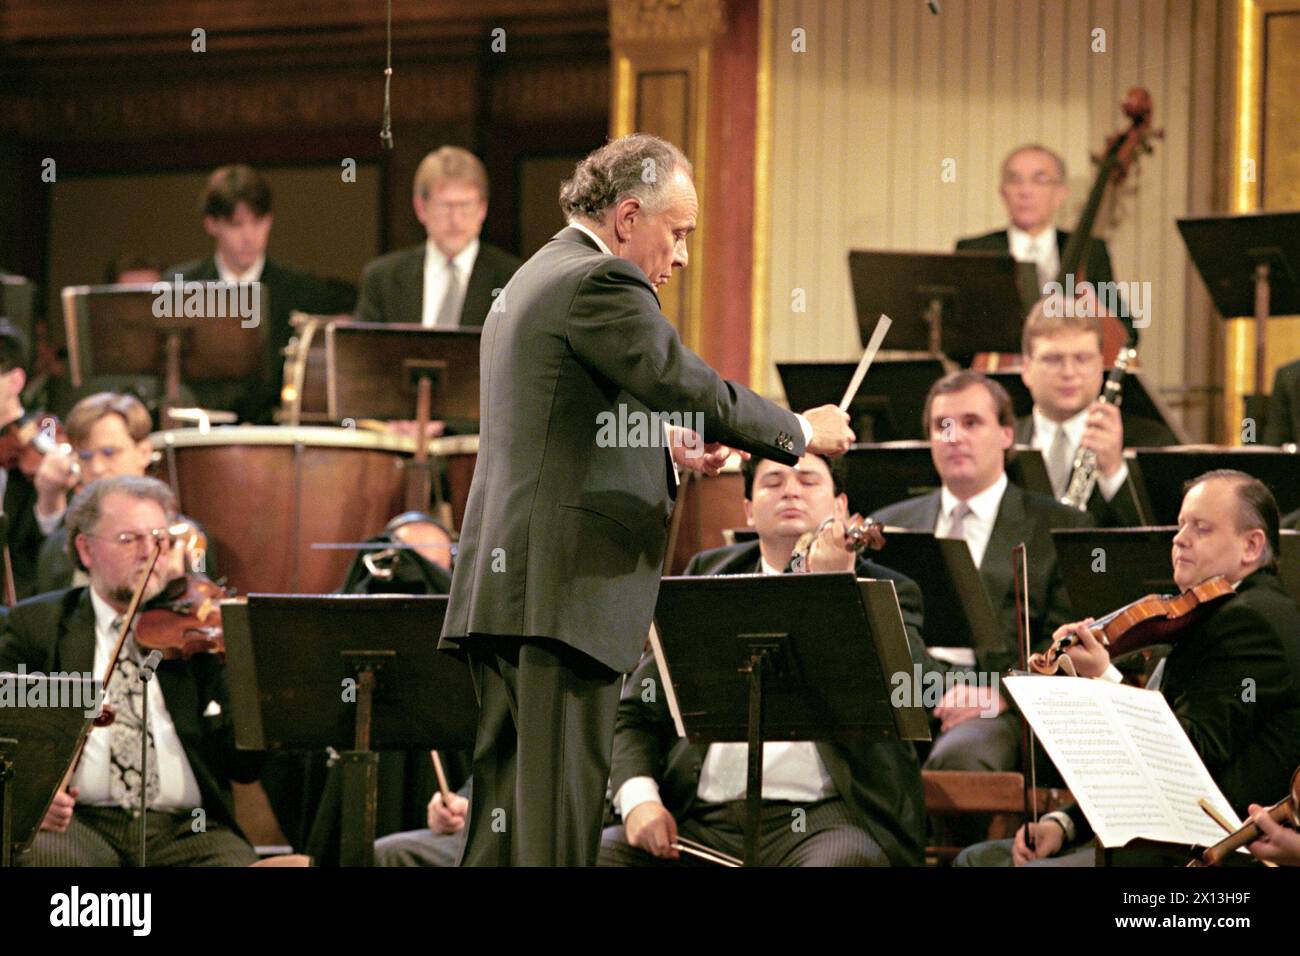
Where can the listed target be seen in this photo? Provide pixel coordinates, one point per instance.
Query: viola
(1286, 812)
(1154, 619)
(859, 533)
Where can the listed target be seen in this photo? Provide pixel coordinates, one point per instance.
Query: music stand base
(360, 771)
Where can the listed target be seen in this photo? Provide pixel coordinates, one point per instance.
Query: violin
(184, 620)
(27, 440)
(859, 533)
(1154, 619)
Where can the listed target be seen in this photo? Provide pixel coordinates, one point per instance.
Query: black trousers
(541, 759)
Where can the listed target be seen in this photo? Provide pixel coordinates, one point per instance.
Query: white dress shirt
(1040, 250)
(792, 770)
(977, 527)
(1045, 432)
(178, 789)
(436, 278)
(252, 274)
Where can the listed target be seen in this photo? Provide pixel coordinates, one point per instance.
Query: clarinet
(1083, 476)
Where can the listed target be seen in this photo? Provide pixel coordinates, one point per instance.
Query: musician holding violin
(27, 528)
(1232, 677)
(113, 525)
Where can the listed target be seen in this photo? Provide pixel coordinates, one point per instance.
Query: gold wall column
(660, 85)
(1265, 174)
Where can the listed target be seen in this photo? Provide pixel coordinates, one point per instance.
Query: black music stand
(1289, 563)
(391, 371)
(881, 474)
(887, 407)
(798, 657)
(1136, 562)
(192, 333)
(949, 303)
(1162, 472)
(357, 673)
(37, 745)
(1250, 264)
(956, 602)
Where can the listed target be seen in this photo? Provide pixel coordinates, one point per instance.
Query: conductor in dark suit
(1232, 680)
(862, 803)
(236, 209)
(969, 420)
(1283, 423)
(1063, 369)
(192, 757)
(449, 280)
(1033, 189)
(565, 528)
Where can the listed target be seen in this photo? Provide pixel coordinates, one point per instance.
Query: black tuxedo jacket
(24, 534)
(565, 530)
(1234, 685)
(56, 632)
(1125, 509)
(880, 782)
(1284, 406)
(287, 290)
(1022, 516)
(1097, 267)
(392, 286)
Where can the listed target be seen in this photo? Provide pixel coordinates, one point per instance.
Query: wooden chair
(949, 792)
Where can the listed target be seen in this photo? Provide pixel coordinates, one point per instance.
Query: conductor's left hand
(690, 451)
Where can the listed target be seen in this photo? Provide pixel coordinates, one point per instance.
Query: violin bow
(1020, 561)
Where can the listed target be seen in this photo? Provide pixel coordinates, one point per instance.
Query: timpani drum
(285, 507)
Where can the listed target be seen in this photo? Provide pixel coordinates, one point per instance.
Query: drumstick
(705, 853)
(442, 779)
(878, 336)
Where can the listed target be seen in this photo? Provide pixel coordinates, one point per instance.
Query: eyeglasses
(1039, 180)
(444, 210)
(131, 539)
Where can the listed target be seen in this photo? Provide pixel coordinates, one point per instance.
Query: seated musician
(236, 209)
(1250, 743)
(192, 758)
(1063, 370)
(109, 435)
(863, 802)
(1033, 189)
(450, 279)
(27, 527)
(969, 419)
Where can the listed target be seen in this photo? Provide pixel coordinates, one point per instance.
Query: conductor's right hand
(651, 827)
(831, 433)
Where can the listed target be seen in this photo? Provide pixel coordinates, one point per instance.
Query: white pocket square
(214, 709)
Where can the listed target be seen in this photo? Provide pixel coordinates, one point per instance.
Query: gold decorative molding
(760, 302)
(672, 21)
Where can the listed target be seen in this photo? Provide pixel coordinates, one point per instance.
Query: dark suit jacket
(564, 538)
(1097, 268)
(1284, 406)
(1125, 509)
(880, 782)
(287, 290)
(392, 286)
(24, 534)
(1022, 516)
(1234, 685)
(56, 632)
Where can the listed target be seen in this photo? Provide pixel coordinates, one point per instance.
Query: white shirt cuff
(807, 429)
(634, 792)
(1109, 486)
(1113, 675)
(1061, 818)
(49, 524)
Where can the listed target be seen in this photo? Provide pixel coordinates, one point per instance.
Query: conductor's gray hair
(638, 166)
